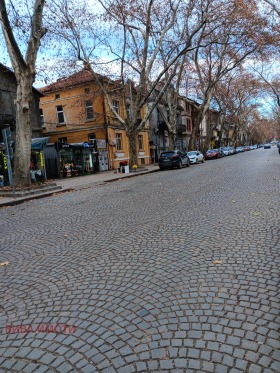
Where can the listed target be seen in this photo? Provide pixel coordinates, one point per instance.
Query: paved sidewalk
(81, 182)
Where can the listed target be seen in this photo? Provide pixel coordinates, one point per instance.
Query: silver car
(195, 156)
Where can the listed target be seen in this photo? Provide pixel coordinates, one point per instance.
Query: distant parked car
(225, 151)
(239, 149)
(213, 154)
(195, 156)
(267, 146)
(246, 148)
(173, 158)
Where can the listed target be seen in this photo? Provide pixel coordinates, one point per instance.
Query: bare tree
(146, 43)
(24, 69)
(236, 96)
(274, 4)
(234, 42)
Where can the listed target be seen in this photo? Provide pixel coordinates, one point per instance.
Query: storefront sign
(39, 143)
(101, 144)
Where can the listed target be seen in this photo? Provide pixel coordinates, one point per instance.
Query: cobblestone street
(174, 271)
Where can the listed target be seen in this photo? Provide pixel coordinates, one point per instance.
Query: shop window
(42, 121)
(119, 141)
(63, 139)
(140, 142)
(60, 114)
(91, 138)
(89, 110)
(116, 106)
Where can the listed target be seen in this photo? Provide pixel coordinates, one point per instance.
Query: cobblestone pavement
(175, 271)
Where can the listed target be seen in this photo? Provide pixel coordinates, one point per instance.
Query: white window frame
(59, 113)
(119, 141)
(116, 106)
(42, 119)
(140, 142)
(89, 109)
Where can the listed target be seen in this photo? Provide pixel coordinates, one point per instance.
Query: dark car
(267, 146)
(173, 158)
(213, 153)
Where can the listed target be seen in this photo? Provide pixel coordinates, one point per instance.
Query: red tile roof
(81, 77)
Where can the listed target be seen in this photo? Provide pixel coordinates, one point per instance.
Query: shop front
(4, 179)
(77, 159)
(37, 160)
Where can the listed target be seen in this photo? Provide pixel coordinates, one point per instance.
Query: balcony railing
(181, 128)
(7, 119)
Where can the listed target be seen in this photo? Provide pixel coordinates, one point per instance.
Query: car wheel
(180, 164)
(202, 161)
(161, 168)
(188, 163)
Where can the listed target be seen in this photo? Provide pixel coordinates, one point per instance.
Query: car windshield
(167, 154)
(191, 153)
(210, 151)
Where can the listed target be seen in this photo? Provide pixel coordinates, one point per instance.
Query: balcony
(162, 126)
(7, 120)
(181, 128)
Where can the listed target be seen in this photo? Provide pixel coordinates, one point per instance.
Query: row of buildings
(84, 135)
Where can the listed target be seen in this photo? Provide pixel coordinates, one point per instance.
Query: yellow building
(76, 117)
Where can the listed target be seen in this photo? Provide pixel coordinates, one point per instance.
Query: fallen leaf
(4, 263)
(217, 261)
(177, 200)
(256, 213)
(233, 201)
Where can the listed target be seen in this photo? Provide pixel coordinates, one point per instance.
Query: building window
(89, 110)
(91, 138)
(116, 106)
(87, 90)
(42, 121)
(119, 141)
(62, 139)
(60, 114)
(57, 96)
(140, 142)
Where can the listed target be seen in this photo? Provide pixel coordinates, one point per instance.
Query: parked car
(195, 156)
(225, 151)
(239, 149)
(267, 146)
(213, 153)
(173, 158)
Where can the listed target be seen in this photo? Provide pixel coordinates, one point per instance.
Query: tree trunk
(23, 131)
(195, 131)
(172, 138)
(132, 143)
(206, 144)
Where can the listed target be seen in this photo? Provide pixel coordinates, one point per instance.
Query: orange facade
(74, 110)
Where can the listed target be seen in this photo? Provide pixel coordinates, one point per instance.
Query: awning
(39, 143)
